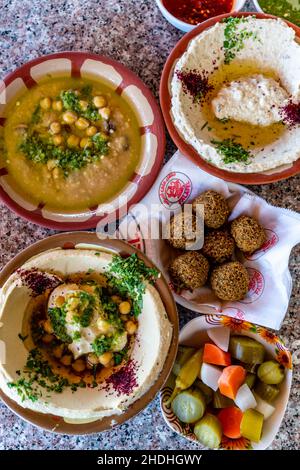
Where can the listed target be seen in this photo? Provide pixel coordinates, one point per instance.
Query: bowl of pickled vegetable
(229, 386)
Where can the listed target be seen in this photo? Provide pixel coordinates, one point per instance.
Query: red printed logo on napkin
(256, 286)
(174, 190)
(272, 240)
(237, 314)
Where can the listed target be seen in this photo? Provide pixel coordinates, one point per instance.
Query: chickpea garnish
(82, 123)
(59, 301)
(93, 359)
(73, 140)
(99, 101)
(116, 299)
(66, 360)
(47, 338)
(83, 104)
(48, 327)
(103, 326)
(57, 105)
(58, 351)
(56, 173)
(55, 127)
(124, 307)
(69, 117)
(92, 130)
(105, 113)
(45, 103)
(131, 327)
(79, 365)
(106, 358)
(85, 142)
(51, 164)
(58, 139)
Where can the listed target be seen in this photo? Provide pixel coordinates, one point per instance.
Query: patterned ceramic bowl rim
(125, 83)
(187, 149)
(90, 240)
(275, 348)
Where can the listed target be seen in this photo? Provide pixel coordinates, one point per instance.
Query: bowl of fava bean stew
(229, 385)
(78, 133)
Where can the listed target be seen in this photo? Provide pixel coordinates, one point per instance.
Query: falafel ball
(216, 210)
(230, 281)
(248, 234)
(218, 246)
(189, 270)
(183, 228)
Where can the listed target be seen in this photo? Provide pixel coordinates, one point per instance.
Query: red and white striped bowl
(125, 83)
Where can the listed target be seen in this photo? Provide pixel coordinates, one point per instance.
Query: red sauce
(195, 11)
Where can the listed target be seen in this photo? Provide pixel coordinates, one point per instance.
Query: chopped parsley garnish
(232, 151)
(22, 338)
(128, 276)
(58, 321)
(119, 356)
(102, 344)
(101, 143)
(71, 101)
(76, 335)
(37, 372)
(41, 151)
(36, 115)
(88, 302)
(234, 39)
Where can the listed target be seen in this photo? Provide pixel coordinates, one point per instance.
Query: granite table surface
(135, 33)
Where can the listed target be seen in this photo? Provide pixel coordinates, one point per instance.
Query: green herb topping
(71, 102)
(128, 276)
(234, 38)
(58, 321)
(86, 307)
(232, 151)
(40, 150)
(102, 344)
(37, 372)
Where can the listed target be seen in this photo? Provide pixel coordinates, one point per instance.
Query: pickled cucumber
(183, 354)
(251, 368)
(209, 431)
(189, 406)
(205, 389)
(250, 380)
(271, 372)
(267, 392)
(252, 424)
(246, 349)
(187, 374)
(220, 401)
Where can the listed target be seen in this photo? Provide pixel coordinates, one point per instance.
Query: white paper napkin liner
(180, 181)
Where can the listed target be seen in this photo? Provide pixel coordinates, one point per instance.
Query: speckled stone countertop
(135, 33)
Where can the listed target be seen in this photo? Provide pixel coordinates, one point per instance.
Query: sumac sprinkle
(124, 381)
(195, 83)
(291, 114)
(195, 11)
(38, 281)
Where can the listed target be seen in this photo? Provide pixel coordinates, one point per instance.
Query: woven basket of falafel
(242, 268)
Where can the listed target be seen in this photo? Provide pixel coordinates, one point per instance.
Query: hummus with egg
(84, 336)
(233, 91)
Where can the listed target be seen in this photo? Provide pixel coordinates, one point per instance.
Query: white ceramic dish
(193, 334)
(238, 5)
